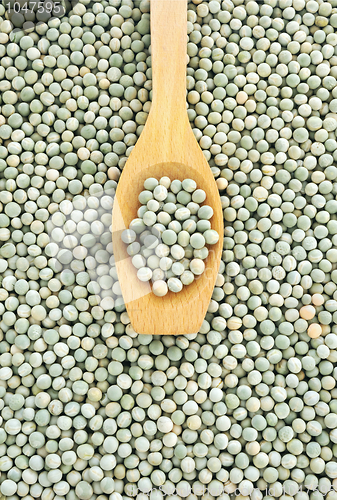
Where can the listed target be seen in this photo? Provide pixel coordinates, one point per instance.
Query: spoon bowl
(176, 313)
(166, 147)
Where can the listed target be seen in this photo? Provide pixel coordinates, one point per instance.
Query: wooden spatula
(166, 147)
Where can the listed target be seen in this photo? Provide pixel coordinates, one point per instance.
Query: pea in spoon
(166, 147)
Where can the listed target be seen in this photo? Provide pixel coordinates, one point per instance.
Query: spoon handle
(168, 46)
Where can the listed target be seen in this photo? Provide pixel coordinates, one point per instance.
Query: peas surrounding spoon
(167, 147)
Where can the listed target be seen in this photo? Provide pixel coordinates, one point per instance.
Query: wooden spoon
(166, 147)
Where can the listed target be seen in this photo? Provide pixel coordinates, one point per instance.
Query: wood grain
(167, 146)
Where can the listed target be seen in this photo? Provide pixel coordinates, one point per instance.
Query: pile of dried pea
(89, 409)
(173, 230)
